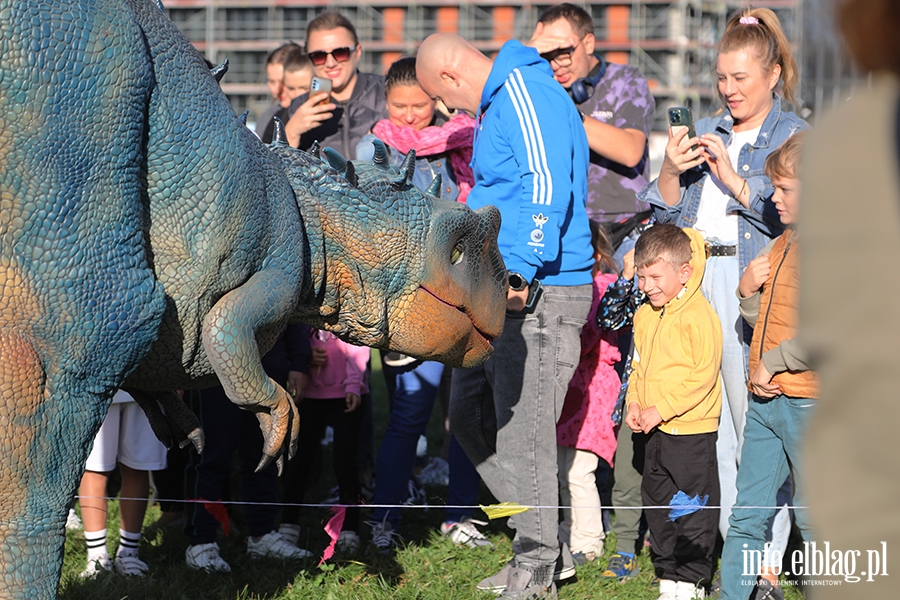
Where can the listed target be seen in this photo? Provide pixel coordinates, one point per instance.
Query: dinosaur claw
(264, 462)
(197, 438)
(280, 464)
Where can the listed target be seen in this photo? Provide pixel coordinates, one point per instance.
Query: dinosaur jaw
(435, 329)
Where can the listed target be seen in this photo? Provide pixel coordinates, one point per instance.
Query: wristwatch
(517, 281)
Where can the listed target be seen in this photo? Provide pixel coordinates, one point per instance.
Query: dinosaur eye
(457, 254)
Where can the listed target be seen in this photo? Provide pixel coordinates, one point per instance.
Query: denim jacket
(756, 225)
(427, 167)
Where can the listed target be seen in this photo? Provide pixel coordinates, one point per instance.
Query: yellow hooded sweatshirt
(677, 356)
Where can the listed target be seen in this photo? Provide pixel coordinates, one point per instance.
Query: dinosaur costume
(149, 241)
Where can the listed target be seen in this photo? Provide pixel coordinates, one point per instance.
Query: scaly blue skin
(149, 241)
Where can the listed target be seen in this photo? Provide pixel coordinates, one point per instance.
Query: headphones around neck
(583, 89)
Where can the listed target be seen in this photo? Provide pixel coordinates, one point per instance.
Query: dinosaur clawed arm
(230, 339)
(171, 420)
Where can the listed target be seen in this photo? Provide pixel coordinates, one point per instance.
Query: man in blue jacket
(530, 160)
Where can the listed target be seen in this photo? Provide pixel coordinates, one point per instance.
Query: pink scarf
(454, 137)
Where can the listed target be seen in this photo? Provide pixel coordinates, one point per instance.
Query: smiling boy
(674, 397)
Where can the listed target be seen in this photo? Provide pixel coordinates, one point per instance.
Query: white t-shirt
(712, 221)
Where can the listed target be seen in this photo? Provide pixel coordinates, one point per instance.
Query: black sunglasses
(319, 57)
(560, 54)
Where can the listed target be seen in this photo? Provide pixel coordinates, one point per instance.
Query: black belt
(716, 250)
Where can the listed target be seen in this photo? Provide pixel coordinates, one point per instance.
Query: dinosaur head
(393, 267)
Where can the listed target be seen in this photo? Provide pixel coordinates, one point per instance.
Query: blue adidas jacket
(530, 160)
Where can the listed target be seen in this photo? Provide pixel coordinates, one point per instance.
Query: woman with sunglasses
(341, 119)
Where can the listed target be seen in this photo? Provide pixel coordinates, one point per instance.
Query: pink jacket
(585, 422)
(344, 372)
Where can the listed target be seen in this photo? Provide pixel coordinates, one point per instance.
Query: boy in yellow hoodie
(675, 397)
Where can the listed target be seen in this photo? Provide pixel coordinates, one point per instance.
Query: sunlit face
(578, 66)
(274, 77)
(340, 73)
(787, 199)
(296, 83)
(662, 282)
(745, 88)
(410, 106)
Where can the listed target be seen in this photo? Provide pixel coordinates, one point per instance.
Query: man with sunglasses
(617, 106)
(356, 102)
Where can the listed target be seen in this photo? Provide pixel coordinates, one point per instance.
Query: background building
(673, 42)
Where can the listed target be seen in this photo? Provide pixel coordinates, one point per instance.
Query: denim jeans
(412, 400)
(719, 284)
(504, 414)
(773, 448)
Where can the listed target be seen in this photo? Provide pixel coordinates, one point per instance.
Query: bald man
(530, 161)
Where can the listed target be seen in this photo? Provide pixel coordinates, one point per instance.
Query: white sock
(128, 543)
(96, 545)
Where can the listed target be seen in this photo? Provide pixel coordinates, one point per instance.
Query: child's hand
(761, 381)
(633, 416)
(628, 261)
(297, 384)
(649, 419)
(319, 357)
(755, 276)
(353, 401)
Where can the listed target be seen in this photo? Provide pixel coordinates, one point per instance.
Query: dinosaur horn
(350, 175)
(315, 150)
(407, 168)
(435, 188)
(243, 119)
(160, 6)
(280, 137)
(335, 159)
(381, 154)
(219, 72)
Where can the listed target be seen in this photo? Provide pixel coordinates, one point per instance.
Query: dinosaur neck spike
(435, 188)
(243, 119)
(219, 71)
(280, 137)
(315, 150)
(381, 154)
(407, 168)
(160, 6)
(335, 159)
(350, 175)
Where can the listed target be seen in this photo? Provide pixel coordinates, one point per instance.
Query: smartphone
(680, 116)
(534, 292)
(320, 84)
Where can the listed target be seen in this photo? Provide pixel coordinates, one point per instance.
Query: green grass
(428, 567)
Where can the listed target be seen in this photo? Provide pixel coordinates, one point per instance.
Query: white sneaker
(206, 557)
(688, 591)
(290, 532)
(667, 589)
(95, 567)
(73, 523)
(130, 565)
(464, 533)
(347, 543)
(273, 545)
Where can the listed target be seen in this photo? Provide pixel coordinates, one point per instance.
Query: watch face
(516, 282)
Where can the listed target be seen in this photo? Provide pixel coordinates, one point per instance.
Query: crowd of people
(649, 346)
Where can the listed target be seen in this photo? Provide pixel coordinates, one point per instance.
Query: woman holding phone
(715, 183)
